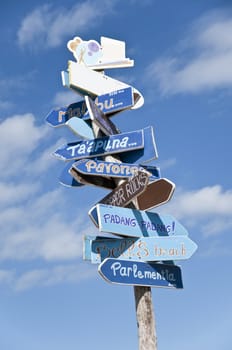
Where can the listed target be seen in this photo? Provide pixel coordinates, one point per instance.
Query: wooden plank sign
(156, 193)
(140, 273)
(128, 190)
(117, 170)
(134, 223)
(102, 146)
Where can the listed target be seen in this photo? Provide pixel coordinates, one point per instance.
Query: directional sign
(97, 248)
(80, 128)
(156, 193)
(155, 248)
(129, 189)
(134, 223)
(140, 273)
(102, 146)
(100, 181)
(110, 103)
(113, 169)
(99, 118)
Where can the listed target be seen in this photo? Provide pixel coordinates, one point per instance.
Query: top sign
(109, 54)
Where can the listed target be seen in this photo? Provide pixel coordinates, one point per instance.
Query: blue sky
(49, 297)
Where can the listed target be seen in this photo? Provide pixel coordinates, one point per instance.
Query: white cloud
(19, 136)
(66, 98)
(71, 273)
(49, 25)
(209, 209)
(203, 64)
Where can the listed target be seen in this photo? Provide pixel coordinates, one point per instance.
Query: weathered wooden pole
(145, 318)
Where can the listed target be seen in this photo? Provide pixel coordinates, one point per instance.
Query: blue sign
(80, 128)
(114, 102)
(100, 119)
(134, 223)
(140, 273)
(102, 146)
(110, 104)
(112, 169)
(141, 248)
(97, 248)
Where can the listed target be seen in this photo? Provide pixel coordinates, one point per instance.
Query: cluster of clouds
(203, 59)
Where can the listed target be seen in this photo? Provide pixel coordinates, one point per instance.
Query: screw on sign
(92, 161)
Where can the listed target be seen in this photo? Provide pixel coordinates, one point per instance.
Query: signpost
(116, 161)
(140, 273)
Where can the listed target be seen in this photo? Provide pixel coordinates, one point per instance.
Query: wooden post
(143, 297)
(145, 318)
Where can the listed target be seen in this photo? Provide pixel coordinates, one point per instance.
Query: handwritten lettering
(133, 271)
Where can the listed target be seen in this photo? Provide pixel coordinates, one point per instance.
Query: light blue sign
(110, 104)
(102, 146)
(141, 274)
(112, 169)
(134, 223)
(80, 127)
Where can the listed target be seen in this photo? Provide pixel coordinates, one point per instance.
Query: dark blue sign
(99, 118)
(102, 146)
(140, 273)
(110, 104)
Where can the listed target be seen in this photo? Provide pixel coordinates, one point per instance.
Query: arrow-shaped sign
(133, 222)
(139, 273)
(156, 193)
(99, 118)
(97, 248)
(113, 169)
(110, 104)
(102, 146)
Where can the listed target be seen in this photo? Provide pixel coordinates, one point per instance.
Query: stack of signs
(146, 244)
